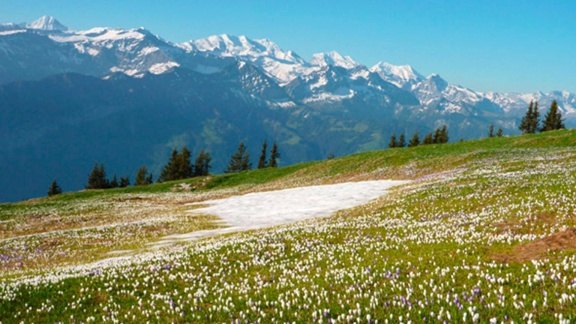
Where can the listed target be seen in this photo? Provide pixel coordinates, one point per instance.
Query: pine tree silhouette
(54, 189)
(274, 156)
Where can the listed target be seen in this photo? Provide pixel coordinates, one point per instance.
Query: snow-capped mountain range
(127, 97)
(100, 51)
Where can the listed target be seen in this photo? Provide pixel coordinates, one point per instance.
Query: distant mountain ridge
(127, 97)
(99, 51)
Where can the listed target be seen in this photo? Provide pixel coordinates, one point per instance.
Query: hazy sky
(490, 45)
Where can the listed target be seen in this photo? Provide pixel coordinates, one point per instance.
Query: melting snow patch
(160, 68)
(149, 50)
(12, 32)
(265, 209)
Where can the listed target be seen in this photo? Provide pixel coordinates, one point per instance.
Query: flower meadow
(489, 240)
(35, 237)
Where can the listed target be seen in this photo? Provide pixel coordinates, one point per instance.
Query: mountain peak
(438, 82)
(242, 47)
(403, 76)
(228, 45)
(47, 23)
(333, 58)
(404, 71)
(281, 65)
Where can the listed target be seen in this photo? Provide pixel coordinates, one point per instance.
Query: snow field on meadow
(264, 209)
(278, 207)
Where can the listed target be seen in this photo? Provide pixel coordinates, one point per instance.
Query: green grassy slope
(438, 157)
(483, 233)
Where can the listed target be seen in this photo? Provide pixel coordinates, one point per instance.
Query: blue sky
(490, 45)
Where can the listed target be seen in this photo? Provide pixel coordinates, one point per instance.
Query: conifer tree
(491, 131)
(179, 166)
(534, 124)
(559, 124)
(401, 141)
(170, 170)
(530, 122)
(428, 139)
(436, 136)
(54, 189)
(97, 178)
(94, 178)
(245, 162)
(202, 164)
(142, 177)
(553, 119)
(392, 143)
(274, 156)
(415, 141)
(443, 137)
(440, 135)
(527, 119)
(114, 182)
(262, 163)
(124, 182)
(500, 132)
(185, 169)
(103, 177)
(239, 161)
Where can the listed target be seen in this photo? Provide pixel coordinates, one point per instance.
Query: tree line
(240, 160)
(99, 180)
(179, 167)
(530, 123)
(439, 136)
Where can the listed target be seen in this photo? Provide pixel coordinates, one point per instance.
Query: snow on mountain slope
(331, 84)
(10, 27)
(335, 59)
(45, 47)
(509, 102)
(281, 65)
(132, 51)
(240, 46)
(517, 103)
(326, 83)
(47, 23)
(402, 76)
(11, 31)
(566, 101)
(434, 90)
(99, 35)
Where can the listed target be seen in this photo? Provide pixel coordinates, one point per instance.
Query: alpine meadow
(226, 179)
(483, 231)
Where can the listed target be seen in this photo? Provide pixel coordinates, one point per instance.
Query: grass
(430, 251)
